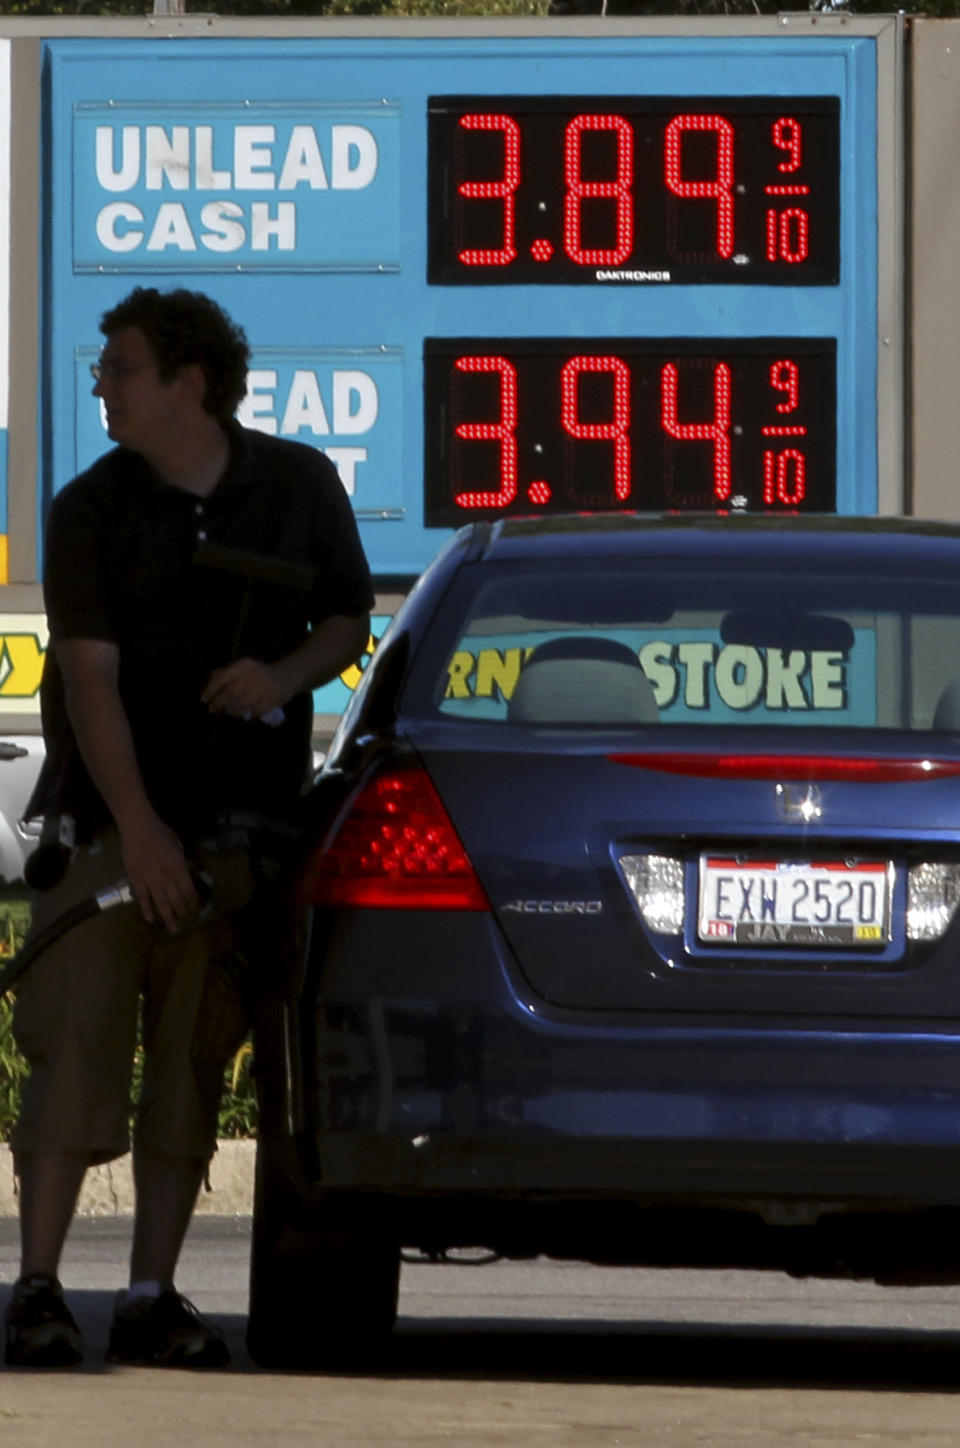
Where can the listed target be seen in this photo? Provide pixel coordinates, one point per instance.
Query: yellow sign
(23, 647)
(685, 674)
(352, 676)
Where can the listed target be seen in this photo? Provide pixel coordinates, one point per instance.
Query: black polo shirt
(122, 565)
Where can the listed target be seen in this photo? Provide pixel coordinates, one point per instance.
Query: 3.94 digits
(546, 425)
(624, 189)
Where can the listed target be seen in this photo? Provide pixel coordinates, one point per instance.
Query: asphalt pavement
(470, 1294)
(516, 1355)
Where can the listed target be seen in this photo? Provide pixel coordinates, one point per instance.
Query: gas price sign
(544, 425)
(494, 269)
(628, 188)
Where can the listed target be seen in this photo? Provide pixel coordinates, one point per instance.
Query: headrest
(585, 680)
(947, 713)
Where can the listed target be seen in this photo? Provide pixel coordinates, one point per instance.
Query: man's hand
(247, 689)
(250, 689)
(157, 870)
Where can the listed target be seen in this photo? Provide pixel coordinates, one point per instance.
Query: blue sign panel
(481, 270)
(307, 186)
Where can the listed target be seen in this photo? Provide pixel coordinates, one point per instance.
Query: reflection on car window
(592, 649)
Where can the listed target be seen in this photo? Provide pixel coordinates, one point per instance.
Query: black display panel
(535, 425)
(620, 190)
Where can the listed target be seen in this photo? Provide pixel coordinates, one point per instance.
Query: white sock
(140, 1289)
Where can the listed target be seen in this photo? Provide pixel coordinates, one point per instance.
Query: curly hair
(183, 328)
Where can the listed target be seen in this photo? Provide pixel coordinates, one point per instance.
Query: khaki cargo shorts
(76, 1020)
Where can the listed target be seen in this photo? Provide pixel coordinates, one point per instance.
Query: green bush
(14, 919)
(238, 1108)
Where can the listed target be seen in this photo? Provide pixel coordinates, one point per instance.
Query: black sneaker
(40, 1329)
(165, 1331)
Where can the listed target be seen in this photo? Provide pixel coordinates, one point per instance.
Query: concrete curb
(108, 1190)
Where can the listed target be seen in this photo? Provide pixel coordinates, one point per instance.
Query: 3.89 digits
(553, 425)
(626, 189)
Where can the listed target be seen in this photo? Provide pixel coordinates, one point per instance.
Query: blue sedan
(632, 886)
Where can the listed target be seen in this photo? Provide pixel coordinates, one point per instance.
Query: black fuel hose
(49, 863)
(108, 899)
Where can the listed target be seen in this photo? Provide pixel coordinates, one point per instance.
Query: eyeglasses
(117, 371)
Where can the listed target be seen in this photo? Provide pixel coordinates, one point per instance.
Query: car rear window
(613, 645)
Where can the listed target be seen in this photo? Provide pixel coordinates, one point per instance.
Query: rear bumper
(429, 1067)
(720, 1175)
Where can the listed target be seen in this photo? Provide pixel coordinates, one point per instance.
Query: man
(175, 694)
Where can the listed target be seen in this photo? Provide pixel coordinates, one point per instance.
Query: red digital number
(717, 431)
(784, 477)
(788, 234)
(596, 397)
(720, 189)
(503, 190)
(788, 231)
(580, 190)
(785, 378)
(615, 431)
(788, 136)
(502, 431)
(785, 472)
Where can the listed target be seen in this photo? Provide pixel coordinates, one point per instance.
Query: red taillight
(831, 767)
(395, 849)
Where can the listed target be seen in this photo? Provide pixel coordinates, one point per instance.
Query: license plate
(781, 902)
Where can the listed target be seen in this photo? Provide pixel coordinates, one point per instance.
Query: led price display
(625, 189)
(553, 425)
(565, 268)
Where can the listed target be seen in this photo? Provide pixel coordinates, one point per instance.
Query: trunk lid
(555, 829)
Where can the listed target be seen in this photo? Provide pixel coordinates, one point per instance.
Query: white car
(21, 756)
